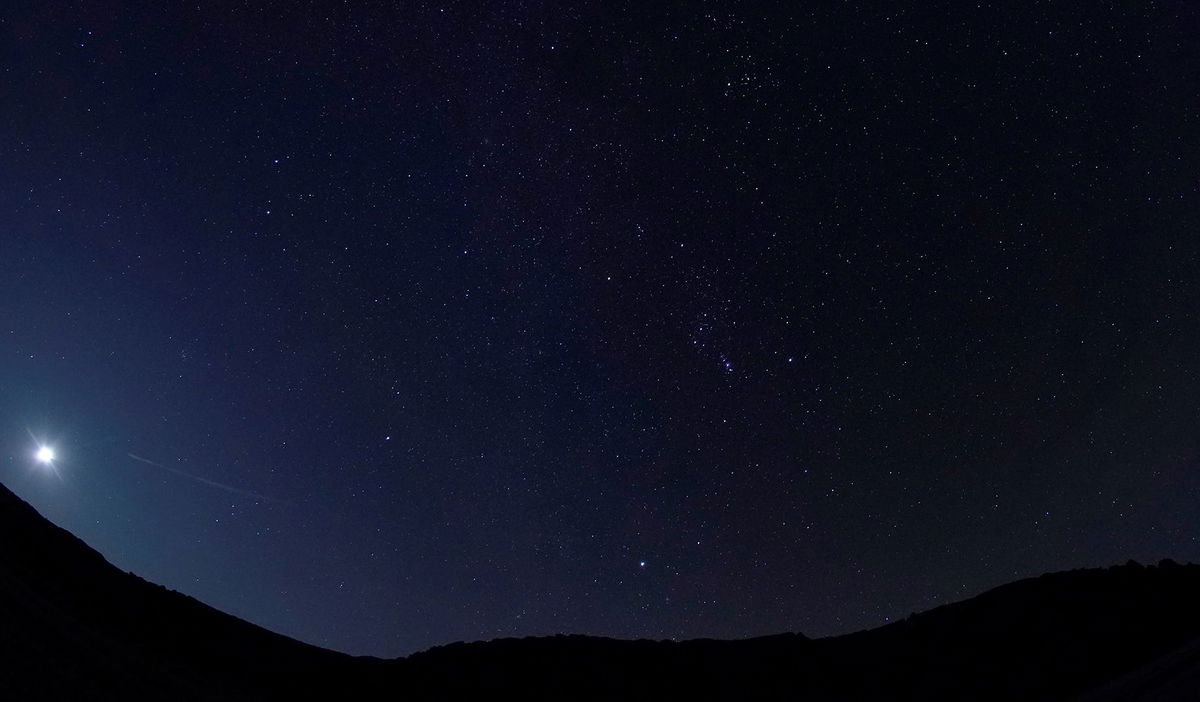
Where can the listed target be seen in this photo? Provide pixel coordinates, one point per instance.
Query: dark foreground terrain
(73, 627)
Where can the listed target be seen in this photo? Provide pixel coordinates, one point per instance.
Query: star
(45, 454)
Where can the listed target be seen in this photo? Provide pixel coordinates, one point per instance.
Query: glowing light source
(45, 454)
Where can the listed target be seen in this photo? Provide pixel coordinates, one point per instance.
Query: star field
(389, 327)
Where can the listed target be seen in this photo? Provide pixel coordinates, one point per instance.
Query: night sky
(385, 327)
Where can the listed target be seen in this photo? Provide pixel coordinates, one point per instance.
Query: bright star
(45, 454)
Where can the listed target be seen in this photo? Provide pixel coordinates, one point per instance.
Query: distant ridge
(75, 627)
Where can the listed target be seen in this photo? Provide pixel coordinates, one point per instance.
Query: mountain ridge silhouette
(76, 627)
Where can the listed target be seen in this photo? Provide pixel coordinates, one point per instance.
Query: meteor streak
(206, 481)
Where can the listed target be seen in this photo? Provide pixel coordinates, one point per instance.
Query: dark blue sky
(389, 327)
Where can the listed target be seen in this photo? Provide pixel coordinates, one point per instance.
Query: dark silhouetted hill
(73, 627)
(76, 627)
